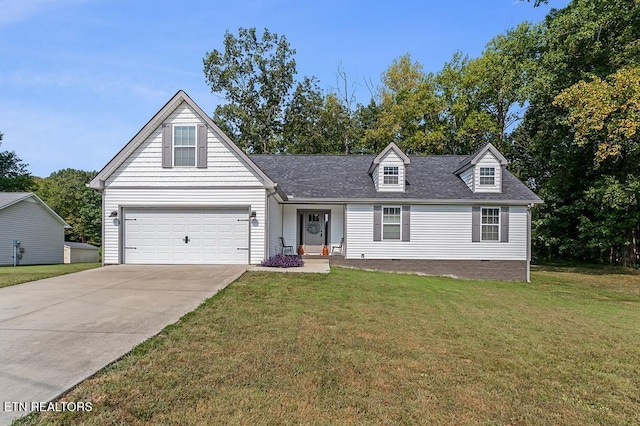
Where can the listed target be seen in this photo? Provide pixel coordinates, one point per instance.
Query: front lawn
(10, 275)
(356, 347)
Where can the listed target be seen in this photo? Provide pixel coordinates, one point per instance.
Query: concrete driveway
(56, 332)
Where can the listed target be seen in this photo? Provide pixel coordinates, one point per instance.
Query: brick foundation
(502, 270)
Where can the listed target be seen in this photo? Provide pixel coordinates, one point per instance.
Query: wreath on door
(313, 227)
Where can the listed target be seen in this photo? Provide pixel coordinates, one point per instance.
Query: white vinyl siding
(437, 232)
(290, 220)
(40, 234)
(250, 199)
(143, 168)
(374, 176)
(467, 177)
(488, 161)
(275, 228)
(390, 160)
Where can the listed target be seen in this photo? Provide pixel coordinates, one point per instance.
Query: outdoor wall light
(113, 214)
(254, 214)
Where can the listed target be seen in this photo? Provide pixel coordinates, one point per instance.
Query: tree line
(65, 191)
(560, 99)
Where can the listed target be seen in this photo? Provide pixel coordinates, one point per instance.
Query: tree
(65, 191)
(586, 39)
(255, 76)
(604, 115)
(409, 112)
(14, 176)
(301, 131)
(465, 124)
(503, 75)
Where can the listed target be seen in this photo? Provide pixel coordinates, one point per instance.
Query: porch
(310, 228)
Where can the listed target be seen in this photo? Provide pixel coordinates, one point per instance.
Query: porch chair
(285, 247)
(333, 248)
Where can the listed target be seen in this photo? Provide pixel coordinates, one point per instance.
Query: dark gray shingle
(344, 177)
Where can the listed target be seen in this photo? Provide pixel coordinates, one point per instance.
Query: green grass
(356, 347)
(10, 275)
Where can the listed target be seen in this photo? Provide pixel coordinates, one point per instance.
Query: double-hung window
(390, 175)
(487, 175)
(184, 146)
(490, 224)
(391, 223)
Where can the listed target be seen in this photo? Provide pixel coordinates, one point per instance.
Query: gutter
(292, 200)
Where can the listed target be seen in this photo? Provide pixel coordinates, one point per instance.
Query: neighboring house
(38, 232)
(80, 253)
(181, 192)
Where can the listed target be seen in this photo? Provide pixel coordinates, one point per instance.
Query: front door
(315, 228)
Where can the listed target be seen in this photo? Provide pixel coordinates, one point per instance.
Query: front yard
(10, 275)
(357, 347)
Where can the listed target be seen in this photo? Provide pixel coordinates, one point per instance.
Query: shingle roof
(85, 246)
(8, 198)
(345, 177)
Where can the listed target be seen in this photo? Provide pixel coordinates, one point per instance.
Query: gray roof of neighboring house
(8, 198)
(345, 177)
(83, 246)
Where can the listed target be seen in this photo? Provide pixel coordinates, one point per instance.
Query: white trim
(195, 145)
(492, 176)
(408, 201)
(379, 157)
(382, 238)
(497, 240)
(156, 121)
(386, 175)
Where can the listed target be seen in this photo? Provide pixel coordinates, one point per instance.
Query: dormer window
(487, 175)
(388, 170)
(483, 171)
(390, 175)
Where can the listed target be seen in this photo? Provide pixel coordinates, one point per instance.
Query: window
(184, 146)
(490, 224)
(487, 176)
(390, 175)
(391, 223)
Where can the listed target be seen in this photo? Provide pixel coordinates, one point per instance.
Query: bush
(282, 261)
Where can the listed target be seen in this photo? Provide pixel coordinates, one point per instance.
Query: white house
(181, 192)
(30, 232)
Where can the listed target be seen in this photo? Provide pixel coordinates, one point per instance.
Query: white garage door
(180, 236)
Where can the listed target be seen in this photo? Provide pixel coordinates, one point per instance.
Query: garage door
(177, 236)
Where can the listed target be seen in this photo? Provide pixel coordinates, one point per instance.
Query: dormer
(388, 169)
(482, 170)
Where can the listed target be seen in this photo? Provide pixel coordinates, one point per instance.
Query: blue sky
(78, 78)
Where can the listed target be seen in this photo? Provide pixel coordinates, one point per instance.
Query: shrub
(282, 261)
